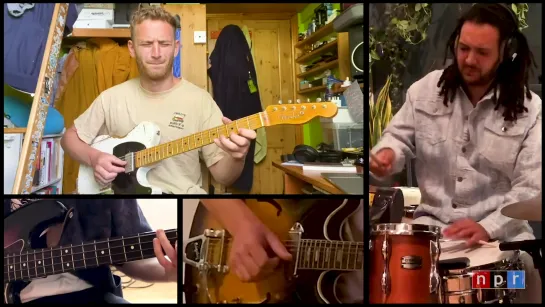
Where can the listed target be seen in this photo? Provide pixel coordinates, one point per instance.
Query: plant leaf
(417, 7)
(514, 8)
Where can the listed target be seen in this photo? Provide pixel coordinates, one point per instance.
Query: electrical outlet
(199, 37)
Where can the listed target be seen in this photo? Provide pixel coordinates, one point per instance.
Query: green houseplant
(380, 113)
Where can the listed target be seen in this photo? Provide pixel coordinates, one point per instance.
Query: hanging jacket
(231, 68)
(25, 39)
(261, 138)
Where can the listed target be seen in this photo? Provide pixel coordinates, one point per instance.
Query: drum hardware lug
(370, 245)
(385, 281)
(435, 251)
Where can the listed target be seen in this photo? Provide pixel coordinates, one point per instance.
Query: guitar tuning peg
(298, 100)
(308, 99)
(290, 102)
(279, 101)
(319, 100)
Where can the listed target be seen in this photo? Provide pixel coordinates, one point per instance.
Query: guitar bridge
(207, 252)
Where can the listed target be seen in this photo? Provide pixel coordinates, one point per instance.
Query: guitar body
(326, 220)
(22, 230)
(143, 136)
(319, 219)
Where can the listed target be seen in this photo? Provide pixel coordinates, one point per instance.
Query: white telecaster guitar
(141, 149)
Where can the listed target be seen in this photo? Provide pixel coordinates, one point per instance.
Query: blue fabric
(178, 59)
(25, 38)
(18, 113)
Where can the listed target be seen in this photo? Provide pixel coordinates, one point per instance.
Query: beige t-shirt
(181, 111)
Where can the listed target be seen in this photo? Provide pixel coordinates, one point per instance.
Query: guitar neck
(329, 255)
(50, 261)
(310, 254)
(164, 151)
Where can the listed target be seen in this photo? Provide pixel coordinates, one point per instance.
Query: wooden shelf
(23, 130)
(318, 69)
(316, 36)
(109, 33)
(14, 130)
(312, 89)
(330, 46)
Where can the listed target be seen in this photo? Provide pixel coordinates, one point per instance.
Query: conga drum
(403, 266)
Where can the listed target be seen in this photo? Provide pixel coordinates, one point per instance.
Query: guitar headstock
(298, 113)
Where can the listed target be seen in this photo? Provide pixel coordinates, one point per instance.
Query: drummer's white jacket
(470, 163)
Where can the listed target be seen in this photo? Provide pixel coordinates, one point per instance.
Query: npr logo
(498, 280)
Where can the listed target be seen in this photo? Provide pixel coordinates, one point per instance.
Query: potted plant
(380, 113)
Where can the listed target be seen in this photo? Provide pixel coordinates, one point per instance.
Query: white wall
(160, 213)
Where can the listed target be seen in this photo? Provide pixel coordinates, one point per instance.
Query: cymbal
(529, 210)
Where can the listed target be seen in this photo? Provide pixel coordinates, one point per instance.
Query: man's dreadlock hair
(511, 76)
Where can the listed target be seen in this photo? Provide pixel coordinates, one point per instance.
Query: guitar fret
(35, 265)
(348, 258)
(109, 250)
(117, 252)
(78, 256)
(26, 266)
(124, 251)
(140, 243)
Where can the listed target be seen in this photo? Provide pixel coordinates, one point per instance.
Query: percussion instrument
(529, 210)
(456, 284)
(403, 265)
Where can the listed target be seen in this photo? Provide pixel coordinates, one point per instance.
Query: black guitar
(24, 262)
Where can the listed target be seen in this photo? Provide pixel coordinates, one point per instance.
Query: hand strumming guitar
(256, 251)
(106, 167)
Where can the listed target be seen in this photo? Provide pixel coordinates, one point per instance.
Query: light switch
(199, 37)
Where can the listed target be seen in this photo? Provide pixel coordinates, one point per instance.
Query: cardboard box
(97, 14)
(92, 24)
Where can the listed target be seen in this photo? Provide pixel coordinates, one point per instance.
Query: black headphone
(511, 44)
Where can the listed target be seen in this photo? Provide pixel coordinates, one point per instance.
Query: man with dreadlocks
(474, 130)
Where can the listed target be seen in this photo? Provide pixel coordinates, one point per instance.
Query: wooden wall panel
(194, 59)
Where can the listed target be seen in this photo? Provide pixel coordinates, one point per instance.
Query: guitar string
(250, 118)
(42, 266)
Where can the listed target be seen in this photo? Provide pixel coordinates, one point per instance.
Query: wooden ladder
(40, 104)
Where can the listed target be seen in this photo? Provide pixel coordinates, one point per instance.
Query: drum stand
(532, 247)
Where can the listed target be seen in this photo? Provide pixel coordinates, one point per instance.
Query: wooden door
(271, 45)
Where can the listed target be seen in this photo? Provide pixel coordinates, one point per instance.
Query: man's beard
(482, 78)
(155, 74)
